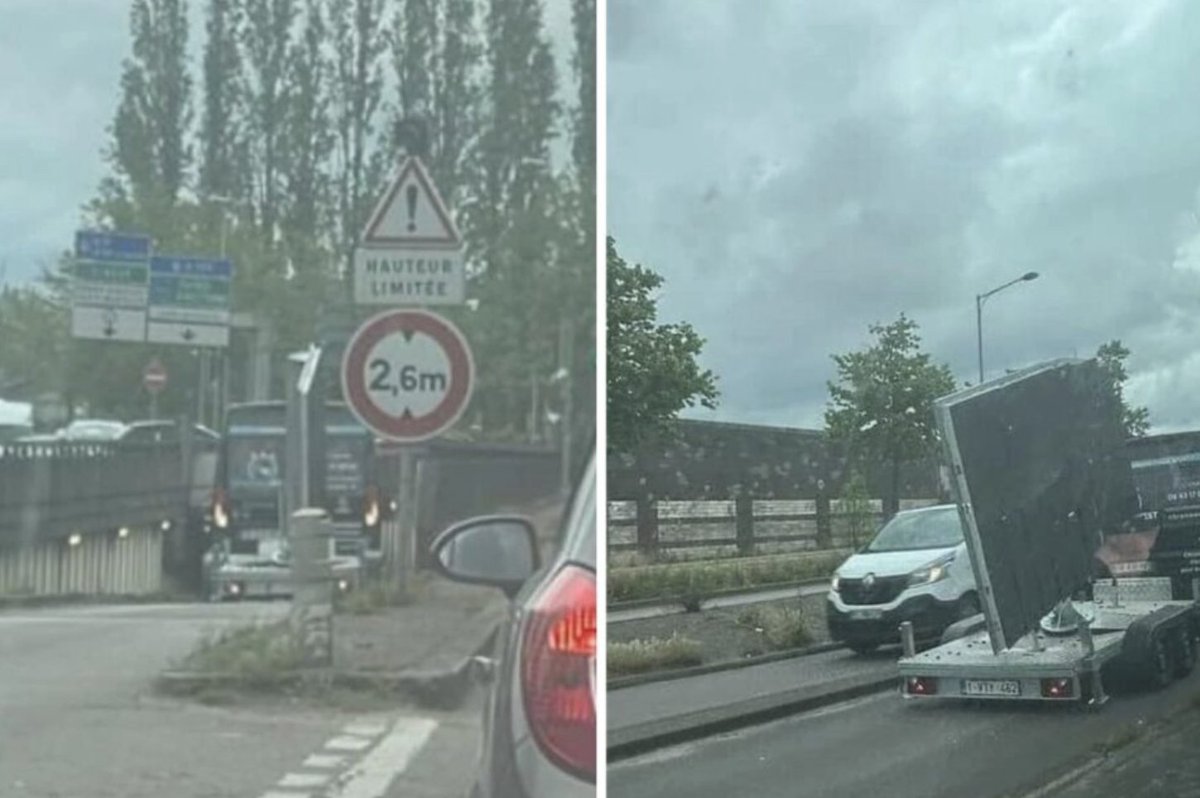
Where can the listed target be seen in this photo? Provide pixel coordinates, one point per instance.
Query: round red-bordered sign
(453, 373)
(154, 376)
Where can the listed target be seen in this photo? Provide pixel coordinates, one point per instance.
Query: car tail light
(1058, 688)
(920, 685)
(559, 670)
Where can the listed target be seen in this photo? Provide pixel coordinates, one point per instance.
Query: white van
(916, 569)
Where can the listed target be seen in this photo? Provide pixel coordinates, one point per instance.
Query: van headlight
(835, 583)
(936, 571)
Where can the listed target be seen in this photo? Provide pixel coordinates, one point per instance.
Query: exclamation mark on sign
(411, 194)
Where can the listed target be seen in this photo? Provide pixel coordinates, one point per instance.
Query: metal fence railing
(697, 529)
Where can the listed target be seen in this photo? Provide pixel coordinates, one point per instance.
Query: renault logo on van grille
(869, 581)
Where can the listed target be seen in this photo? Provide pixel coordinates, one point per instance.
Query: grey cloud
(863, 159)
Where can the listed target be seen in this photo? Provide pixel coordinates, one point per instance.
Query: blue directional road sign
(189, 301)
(109, 284)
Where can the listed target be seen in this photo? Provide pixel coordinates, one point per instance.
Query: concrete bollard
(312, 586)
(907, 640)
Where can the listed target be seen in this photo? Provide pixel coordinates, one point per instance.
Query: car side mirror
(499, 551)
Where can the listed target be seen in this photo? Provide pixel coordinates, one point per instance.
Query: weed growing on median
(251, 654)
(781, 627)
(373, 597)
(690, 580)
(640, 656)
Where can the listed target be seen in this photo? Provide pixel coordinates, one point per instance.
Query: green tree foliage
(222, 153)
(357, 39)
(856, 509)
(881, 406)
(267, 37)
(1112, 357)
(149, 154)
(652, 369)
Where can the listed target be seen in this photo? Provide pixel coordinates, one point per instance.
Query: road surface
(78, 720)
(633, 706)
(882, 745)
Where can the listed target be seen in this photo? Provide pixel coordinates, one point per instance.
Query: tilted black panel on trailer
(1040, 473)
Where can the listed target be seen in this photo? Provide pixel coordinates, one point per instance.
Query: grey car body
(512, 764)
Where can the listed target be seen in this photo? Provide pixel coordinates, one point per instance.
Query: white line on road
(324, 761)
(277, 794)
(303, 780)
(372, 776)
(348, 743)
(365, 729)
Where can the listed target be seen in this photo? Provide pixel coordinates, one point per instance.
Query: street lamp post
(979, 300)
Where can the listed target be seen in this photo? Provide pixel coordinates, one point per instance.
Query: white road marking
(303, 780)
(371, 777)
(277, 794)
(324, 761)
(365, 729)
(347, 743)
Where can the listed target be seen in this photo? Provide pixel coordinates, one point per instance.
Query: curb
(700, 670)
(638, 604)
(446, 688)
(1054, 782)
(649, 736)
(88, 599)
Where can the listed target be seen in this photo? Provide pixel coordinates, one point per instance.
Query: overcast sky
(798, 170)
(60, 66)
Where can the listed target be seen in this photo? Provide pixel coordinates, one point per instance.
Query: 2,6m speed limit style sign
(407, 374)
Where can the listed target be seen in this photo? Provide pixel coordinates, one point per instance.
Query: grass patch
(641, 656)
(252, 655)
(781, 628)
(687, 581)
(373, 597)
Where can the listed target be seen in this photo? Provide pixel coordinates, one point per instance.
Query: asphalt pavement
(882, 744)
(78, 719)
(647, 710)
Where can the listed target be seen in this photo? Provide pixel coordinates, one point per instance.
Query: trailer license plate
(999, 687)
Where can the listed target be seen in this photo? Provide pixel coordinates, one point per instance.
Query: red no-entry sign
(154, 376)
(408, 374)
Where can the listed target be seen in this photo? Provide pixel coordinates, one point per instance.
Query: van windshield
(928, 529)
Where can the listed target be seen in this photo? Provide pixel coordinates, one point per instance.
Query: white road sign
(408, 374)
(109, 286)
(410, 252)
(189, 301)
(108, 323)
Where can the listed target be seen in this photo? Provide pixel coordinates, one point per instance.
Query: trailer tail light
(1058, 688)
(558, 671)
(920, 685)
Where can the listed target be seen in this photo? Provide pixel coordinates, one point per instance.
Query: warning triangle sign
(411, 214)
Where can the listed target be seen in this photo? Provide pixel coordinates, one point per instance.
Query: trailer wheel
(1185, 651)
(1161, 667)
